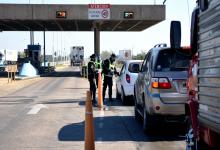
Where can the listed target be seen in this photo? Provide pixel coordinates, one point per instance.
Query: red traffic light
(61, 14)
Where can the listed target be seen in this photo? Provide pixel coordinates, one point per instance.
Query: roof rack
(161, 45)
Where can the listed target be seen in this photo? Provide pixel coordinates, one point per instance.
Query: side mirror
(194, 31)
(175, 34)
(203, 4)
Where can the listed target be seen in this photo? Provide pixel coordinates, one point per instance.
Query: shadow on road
(63, 74)
(62, 101)
(3, 74)
(107, 102)
(117, 128)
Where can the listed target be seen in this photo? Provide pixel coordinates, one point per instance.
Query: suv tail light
(160, 83)
(128, 78)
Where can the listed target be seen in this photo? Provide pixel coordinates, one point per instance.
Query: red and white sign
(99, 11)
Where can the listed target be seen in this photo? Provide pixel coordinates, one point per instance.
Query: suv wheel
(147, 124)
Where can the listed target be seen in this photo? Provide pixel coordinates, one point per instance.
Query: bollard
(100, 101)
(89, 127)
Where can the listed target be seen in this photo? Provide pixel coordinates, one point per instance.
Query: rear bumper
(156, 106)
(169, 118)
(129, 90)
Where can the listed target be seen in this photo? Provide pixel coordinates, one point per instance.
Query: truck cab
(203, 106)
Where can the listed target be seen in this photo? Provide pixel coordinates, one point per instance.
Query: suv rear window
(172, 60)
(134, 67)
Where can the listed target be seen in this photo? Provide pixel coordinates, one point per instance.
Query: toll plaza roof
(54, 17)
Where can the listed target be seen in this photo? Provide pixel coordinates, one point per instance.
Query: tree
(139, 56)
(105, 54)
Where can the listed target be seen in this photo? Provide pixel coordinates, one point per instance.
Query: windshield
(172, 60)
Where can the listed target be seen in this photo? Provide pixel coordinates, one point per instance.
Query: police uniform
(98, 66)
(91, 77)
(108, 70)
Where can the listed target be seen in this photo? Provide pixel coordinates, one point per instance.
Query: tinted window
(172, 60)
(134, 67)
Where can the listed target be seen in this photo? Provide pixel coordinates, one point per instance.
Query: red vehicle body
(203, 106)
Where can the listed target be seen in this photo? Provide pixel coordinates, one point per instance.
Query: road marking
(99, 140)
(36, 108)
(102, 113)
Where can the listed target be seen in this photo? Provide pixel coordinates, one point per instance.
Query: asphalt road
(49, 115)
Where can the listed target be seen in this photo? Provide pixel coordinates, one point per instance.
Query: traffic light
(128, 14)
(61, 14)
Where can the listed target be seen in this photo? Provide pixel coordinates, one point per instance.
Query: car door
(139, 83)
(147, 79)
(144, 80)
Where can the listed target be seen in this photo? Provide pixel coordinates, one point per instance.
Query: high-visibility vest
(111, 68)
(98, 65)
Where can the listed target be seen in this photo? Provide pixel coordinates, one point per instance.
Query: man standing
(108, 69)
(91, 77)
(98, 66)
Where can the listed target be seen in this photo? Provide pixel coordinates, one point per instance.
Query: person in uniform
(98, 66)
(108, 69)
(91, 77)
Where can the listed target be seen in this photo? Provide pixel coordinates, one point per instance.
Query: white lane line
(99, 140)
(36, 108)
(101, 113)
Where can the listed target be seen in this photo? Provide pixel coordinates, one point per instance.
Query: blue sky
(112, 41)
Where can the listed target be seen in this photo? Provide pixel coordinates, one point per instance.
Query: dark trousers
(97, 79)
(108, 81)
(93, 89)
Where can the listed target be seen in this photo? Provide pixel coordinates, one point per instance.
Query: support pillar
(96, 40)
(44, 50)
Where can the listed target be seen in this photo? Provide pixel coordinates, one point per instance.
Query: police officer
(108, 69)
(98, 66)
(91, 77)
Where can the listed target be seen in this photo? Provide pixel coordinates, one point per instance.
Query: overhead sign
(99, 11)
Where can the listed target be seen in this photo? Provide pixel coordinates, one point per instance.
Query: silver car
(160, 90)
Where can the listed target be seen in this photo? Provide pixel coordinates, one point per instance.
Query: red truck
(203, 106)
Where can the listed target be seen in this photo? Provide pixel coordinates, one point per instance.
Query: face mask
(112, 59)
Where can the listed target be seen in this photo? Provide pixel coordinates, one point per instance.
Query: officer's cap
(113, 55)
(92, 56)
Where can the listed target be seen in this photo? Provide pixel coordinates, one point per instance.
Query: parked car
(125, 81)
(160, 90)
